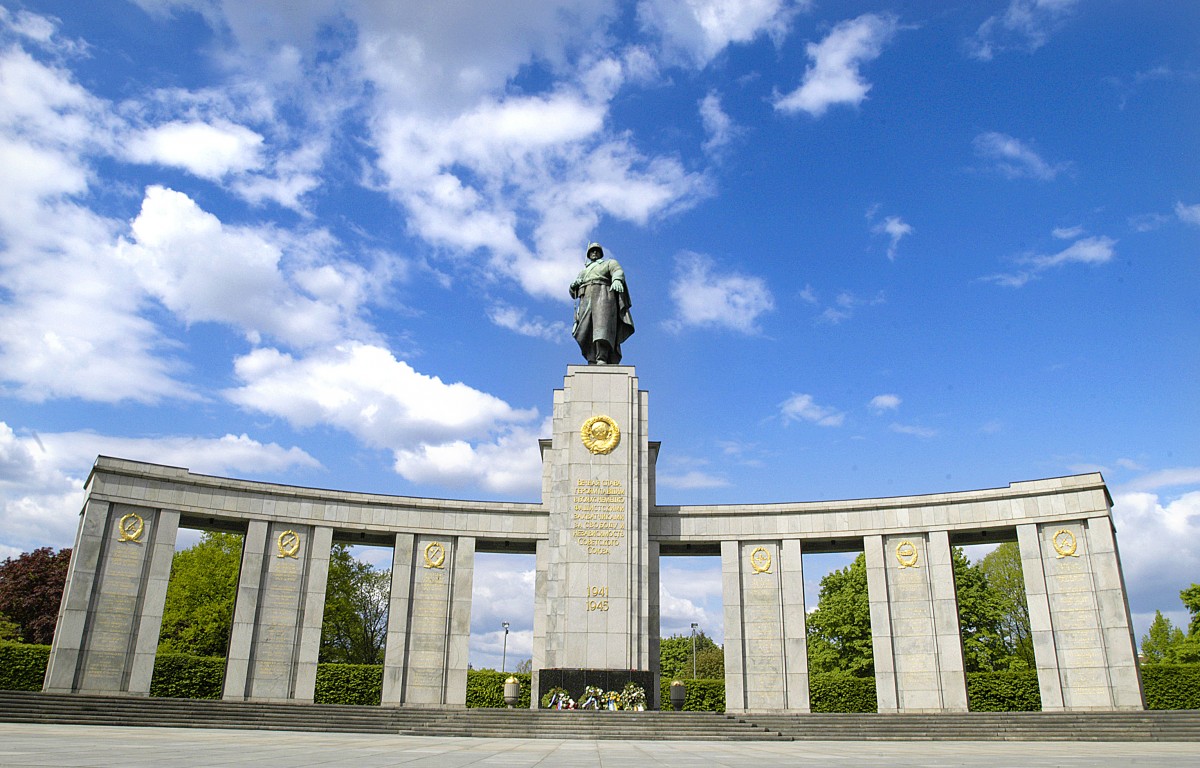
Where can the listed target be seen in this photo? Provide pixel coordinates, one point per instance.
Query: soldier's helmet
(594, 247)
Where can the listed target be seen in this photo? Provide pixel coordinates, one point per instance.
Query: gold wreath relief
(906, 554)
(600, 434)
(289, 544)
(131, 528)
(760, 560)
(1064, 543)
(435, 555)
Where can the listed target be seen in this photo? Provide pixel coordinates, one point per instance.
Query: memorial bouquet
(633, 698)
(592, 698)
(612, 700)
(557, 698)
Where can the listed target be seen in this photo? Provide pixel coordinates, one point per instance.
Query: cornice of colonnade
(200, 498)
(1072, 497)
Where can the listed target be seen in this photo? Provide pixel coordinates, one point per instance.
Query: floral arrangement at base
(593, 698)
(611, 700)
(633, 698)
(557, 698)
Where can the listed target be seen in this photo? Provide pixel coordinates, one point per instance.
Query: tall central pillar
(595, 611)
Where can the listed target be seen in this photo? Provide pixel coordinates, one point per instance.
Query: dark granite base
(575, 680)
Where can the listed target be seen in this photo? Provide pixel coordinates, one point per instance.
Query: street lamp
(504, 653)
(694, 625)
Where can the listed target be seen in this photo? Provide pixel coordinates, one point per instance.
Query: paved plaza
(69, 745)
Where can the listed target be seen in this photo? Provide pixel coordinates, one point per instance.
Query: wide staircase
(125, 712)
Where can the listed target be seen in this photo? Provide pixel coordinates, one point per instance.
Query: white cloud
(206, 271)
(1090, 250)
(437, 432)
(844, 305)
(912, 429)
(513, 318)
(717, 124)
(705, 297)
(1160, 546)
(801, 407)
(1147, 222)
(701, 29)
(1188, 214)
(1014, 159)
(1066, 233)
(896, 229)
(882, 403)
(1163, 478)
(690, 480)
(1024, 24)
(42, 475)
(833, 77)
(208, 150)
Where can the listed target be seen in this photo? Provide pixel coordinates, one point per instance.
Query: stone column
(540, 586)
(1082, 635)
(429, 620)
(111, 613)
(597, 559)
(277, 615)
(914, 623)
(766, 650)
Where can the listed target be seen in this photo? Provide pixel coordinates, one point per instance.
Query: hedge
(485, 688)
(1004, 691)
(22, 667)
(839, 692)
(179, 675)
(703, 695)
(1171, 686)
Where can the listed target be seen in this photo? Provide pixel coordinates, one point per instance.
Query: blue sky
(873, 248)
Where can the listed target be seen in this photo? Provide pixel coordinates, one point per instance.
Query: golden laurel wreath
(1064, 543)
(600, 434)
(289, 544)
(435, 555)
(760, 560)
(131, 528)
(906, 554)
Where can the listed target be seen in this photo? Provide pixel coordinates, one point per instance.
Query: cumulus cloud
(438, 432)
(699, 30)
(833, 76)
(1014, 159)
(689, 593)
(1188, 214)
(843, 307)
(1089, 250)
(207, 150)
(895, 229)
(1144, 522)
(802, 407)
(717, 125)
(1023, 25)
(1066, 233)
(705, 296)
(888, 402)
(514, 319)
(42, 475)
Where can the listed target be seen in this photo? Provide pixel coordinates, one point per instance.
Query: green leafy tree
(1161, 643)
(9, 629)
(710, 662)
(675, 656)
(31, 588)
(839, 630)
(981, 617)
(1002, 567)
(198, 613)
(1191, 599)
(354, 628)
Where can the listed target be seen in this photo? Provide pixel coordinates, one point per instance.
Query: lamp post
(694, 625)
(504, 653)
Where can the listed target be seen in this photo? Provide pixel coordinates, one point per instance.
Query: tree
(981, 617)
(1002, 567)
(525, 666)
(1161, 642)
(1191, 600)
(710, 662)
(31, 588)
(839, 630)
(198, 613)
(354, 628)
(675, 656)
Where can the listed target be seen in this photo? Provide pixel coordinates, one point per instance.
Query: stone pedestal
(593, 596)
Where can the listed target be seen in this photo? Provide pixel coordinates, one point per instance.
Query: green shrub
(485, 688)
(1004, 691)
(703, 695)
(839, 692)
(184, 676)
(22, 666)
(360, 684)
(1171, 686)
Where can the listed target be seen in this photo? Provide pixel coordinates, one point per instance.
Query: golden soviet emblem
(600, 434)
(131, 528)
(435, 554)
(906, 554)
(1064, 543)
(760, 560)
(289, 544)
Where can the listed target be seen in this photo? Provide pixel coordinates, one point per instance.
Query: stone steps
(127, 711)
